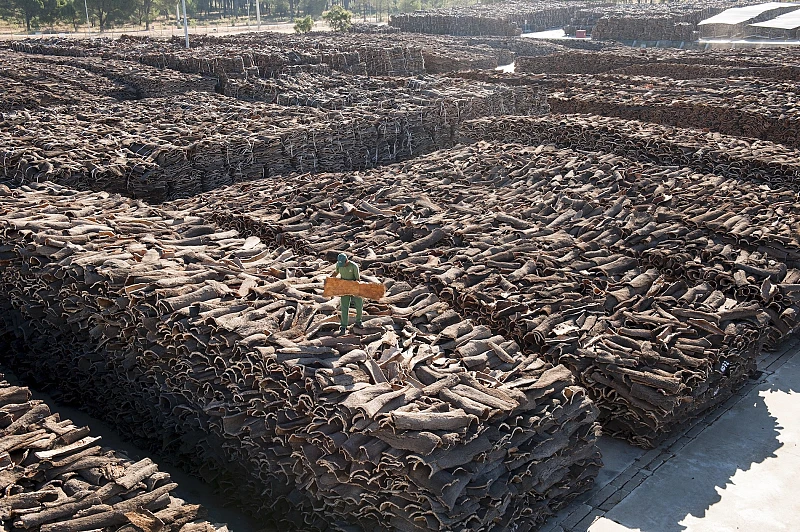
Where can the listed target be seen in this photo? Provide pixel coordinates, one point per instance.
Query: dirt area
(169, 30)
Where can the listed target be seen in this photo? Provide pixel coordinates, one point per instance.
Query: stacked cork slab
(219, 349)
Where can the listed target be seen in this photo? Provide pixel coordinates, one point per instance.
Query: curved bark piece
(77, 505)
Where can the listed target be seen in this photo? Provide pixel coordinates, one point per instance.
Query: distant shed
(735, 22)
(786, 26)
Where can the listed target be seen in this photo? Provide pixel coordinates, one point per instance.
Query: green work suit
(350, 272)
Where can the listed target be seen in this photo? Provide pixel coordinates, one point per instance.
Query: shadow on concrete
(696, 478)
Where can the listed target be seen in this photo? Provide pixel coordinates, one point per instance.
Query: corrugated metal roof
(787, 21)
(737, 15)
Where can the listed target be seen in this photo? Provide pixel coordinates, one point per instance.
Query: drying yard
(604, 242)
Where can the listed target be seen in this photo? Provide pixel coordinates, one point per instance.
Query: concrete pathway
(732, 470)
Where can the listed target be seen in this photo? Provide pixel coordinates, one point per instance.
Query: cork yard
(567, 242)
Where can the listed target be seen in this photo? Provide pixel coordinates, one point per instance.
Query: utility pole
(86, 6)
(258, 15)
(185, 24)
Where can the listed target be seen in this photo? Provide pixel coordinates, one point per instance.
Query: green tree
(281, 7)
(24, 10)
(407, 6)
(54, 11)
(33, 13)
(338, 18)
(314, 7)
(165, 8)
(303, 25)
(143, 10)
(69, 13)
(111, 11)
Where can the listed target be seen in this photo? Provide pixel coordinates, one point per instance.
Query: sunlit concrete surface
(735, 469)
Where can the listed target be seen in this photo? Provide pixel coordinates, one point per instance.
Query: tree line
(104, 15)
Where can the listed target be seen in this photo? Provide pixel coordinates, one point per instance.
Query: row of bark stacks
(220, 350)
(55, 478)
(179, 146)
(777, 63)
(510, 18)
(266, 55)
(759, 108)
(568, 253)
(762, 162)
(244, 56)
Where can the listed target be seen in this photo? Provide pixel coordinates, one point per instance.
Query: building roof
(787, 21)
(737, 15)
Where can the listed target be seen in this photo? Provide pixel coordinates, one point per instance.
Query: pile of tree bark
(702, 151)
(746, 107)
(378, 55)
(439, 53)
(63, 81)
(344, 92)
(144, 81)
(263, 55)
(447, 54)
(267, 55)
(55, 478)
(628, 28)
(30, 94)
(779, 63)
(178, 146)
(220, 349)
(584, 19)
(31, 85)
(555, 248)
(446, 23)
(371, 28)
(510, 18)
(578, 62)
(698, 71)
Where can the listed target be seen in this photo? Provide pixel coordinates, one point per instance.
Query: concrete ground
(734, 469)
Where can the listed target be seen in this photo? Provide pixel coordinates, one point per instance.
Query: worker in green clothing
(349, 272)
